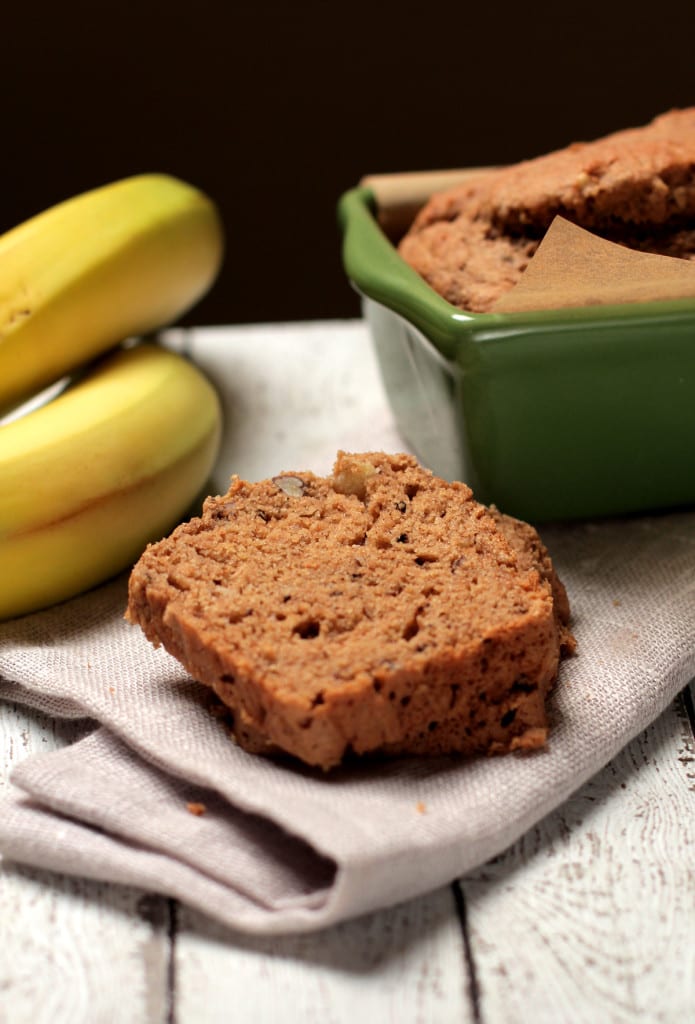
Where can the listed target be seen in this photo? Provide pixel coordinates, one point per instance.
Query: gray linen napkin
(158, 796)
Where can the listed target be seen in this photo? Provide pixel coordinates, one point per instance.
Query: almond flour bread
(635, 187)
(379, 609)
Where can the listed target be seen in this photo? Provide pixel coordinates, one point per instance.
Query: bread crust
(635, 186)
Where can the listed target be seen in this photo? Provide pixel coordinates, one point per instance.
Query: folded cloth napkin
(158, 796)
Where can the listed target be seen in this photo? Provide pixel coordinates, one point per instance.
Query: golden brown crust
(532, 552)
(635, 186)
(631, 177)
(380, 609)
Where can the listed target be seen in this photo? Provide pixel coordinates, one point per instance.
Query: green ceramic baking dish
(553, 415)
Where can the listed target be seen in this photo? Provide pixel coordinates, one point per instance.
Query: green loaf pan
(552, 415)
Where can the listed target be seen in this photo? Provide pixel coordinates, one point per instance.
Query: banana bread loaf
(472, 243)
(379, 609)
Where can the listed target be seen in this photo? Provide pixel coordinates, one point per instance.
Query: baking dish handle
(374, 267)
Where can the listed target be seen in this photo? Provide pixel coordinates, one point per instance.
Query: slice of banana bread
(379, 609)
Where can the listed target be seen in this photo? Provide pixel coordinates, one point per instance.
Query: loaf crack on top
(380, 609)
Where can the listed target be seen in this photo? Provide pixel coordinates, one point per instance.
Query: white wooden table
(589, 918)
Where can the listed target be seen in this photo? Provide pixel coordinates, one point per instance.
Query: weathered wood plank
(588, 918)
(74, 951)
(405, 965)
(591, 916)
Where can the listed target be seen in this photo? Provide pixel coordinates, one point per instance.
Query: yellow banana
(88, 479)
(118, 261)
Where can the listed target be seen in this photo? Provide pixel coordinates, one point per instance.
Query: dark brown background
(274, 108)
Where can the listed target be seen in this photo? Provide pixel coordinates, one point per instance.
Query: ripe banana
(88, 479)
(118, 261)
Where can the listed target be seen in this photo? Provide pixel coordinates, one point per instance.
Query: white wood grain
(405, 965)
(74, 951)
(591, 916)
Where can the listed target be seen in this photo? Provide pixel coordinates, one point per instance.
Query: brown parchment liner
(574, 267)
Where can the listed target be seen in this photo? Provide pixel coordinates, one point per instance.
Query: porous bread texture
(379, 609)
(472, 243)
